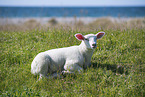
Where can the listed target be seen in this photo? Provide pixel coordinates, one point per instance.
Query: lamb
(66, 60)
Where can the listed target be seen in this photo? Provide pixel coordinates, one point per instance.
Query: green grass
(118, 64)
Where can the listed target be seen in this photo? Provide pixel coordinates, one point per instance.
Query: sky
(72, 3)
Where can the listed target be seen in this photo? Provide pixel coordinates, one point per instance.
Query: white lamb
(66, 60)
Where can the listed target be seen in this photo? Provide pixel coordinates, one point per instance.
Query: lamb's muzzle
(94, 45)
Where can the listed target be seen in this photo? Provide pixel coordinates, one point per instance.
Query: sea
(18, 12)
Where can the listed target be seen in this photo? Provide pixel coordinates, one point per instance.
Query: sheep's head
(90, 40)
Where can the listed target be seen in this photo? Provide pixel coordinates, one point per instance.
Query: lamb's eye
(86, 39)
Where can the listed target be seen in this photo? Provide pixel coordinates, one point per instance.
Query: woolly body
(69, 59)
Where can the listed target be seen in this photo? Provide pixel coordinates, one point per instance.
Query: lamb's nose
(94, 44)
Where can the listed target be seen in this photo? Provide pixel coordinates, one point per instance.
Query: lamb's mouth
(93, 47)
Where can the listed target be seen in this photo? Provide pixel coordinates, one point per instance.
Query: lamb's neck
(83, 49)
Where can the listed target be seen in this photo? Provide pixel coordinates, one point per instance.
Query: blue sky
(72, 2)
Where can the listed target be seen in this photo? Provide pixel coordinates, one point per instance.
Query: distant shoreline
(62, 20)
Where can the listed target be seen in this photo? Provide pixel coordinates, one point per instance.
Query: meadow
(118, 63)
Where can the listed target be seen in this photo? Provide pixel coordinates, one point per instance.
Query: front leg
(87, 64)
(87, 61)
(72, 68)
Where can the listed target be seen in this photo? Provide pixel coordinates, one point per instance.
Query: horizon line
(72, 6)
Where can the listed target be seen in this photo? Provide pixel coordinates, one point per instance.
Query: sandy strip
(64, 20)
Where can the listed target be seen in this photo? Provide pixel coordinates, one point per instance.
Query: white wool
(67, 60)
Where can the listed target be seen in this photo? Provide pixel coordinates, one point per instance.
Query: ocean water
(17, 12)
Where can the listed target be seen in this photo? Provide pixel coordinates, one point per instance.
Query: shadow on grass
(118, 69)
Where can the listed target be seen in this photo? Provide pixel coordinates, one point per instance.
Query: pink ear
(79, 36)
(100, 35)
